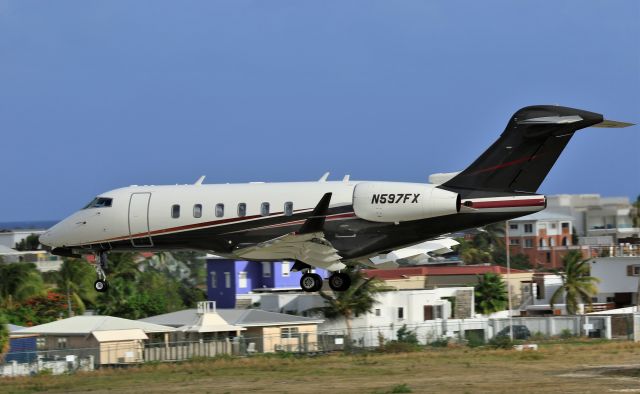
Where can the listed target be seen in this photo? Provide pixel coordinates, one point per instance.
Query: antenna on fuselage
(200, 180)
(324, 177)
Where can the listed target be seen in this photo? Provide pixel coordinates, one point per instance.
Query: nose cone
(51, 237)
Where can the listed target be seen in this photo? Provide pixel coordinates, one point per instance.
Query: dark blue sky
(96, 95)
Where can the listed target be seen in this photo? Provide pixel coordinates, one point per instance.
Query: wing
(310, 248)
(436, 246)
(307, 244)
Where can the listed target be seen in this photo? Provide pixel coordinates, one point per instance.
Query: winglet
(315, 222)
(324, 177)
(200, 180)
(612, 124)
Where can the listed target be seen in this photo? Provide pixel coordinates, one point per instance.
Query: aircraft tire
(339, 281)
(311, 282)
(100, 285)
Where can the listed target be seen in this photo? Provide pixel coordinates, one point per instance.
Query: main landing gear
(101, 284)
(338, 281)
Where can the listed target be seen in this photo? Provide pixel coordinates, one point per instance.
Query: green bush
(441, 342)
(407, 336)
(474, 338)
(501, 342)
(566, 334)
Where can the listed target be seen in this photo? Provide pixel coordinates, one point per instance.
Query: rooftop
(545, 214)
(84, 325)
(234, 317)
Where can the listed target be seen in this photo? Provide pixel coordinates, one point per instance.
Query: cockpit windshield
(99, 202)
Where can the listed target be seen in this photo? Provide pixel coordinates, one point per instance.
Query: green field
(580, 367)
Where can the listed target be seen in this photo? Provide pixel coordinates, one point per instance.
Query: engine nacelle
(400, 202)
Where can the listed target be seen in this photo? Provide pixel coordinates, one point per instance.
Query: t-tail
(521, 158)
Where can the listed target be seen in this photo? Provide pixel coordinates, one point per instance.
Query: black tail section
(525, 152)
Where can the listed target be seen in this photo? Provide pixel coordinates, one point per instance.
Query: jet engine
(388, 202)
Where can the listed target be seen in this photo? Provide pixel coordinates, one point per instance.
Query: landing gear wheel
(339, 281)
(311, 282)
(100, 285)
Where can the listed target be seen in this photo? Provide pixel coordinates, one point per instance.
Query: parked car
(519, 332)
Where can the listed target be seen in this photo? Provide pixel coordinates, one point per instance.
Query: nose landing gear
(101, 284)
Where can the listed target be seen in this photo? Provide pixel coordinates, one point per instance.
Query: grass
(451, 370)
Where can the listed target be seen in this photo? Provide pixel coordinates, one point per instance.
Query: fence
(326, 340)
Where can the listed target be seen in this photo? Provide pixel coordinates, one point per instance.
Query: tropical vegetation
(359, 299)
(490, 294)
(577, 283)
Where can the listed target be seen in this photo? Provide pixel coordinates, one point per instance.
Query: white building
(12, 237)
(618, 280)
(596, 216)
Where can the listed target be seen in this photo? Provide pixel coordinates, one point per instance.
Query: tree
(75, 280)
(4, 338)
(358, 299)
(18, 282)
(31, 242)
(490, 294)
(635, 212)
(577, 284)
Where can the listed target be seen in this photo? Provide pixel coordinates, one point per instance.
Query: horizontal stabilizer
(612, 124)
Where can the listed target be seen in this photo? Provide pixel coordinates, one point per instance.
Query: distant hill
(28, 225)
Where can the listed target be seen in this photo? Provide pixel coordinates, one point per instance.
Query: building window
(41, 343)
(548, 257)
(264, 209)
(220, 210)
(288, 208)
(565, 241)
(552, 242)
(214, 279)
(543, 242)
(285, 269)
(553, 225)
(378, 312)
(400, 313)
(528, 243)
(227, 280)
(266, 269)
(242, 209)
(62, 343)
(242, 279)
(175, 211)
(289, 332)
(197, 211)
(565, 225)
(513, 227)
(514, 241)
(528, 228)
(633, 270)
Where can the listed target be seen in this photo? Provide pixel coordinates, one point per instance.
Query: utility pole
(507, 248)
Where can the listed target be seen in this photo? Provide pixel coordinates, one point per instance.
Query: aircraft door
(139, 220)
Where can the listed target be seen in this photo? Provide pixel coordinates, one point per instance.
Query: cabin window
(175, 211)
(99, 202)
(288, 208)
(264, 209)
(242, 209)
(220, 210)
(197, 210)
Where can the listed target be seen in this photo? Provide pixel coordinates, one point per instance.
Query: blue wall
(22, 350)
(225, 297)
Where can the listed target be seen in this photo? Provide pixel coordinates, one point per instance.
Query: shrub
(407, 336)
(566, 334)
(501, 342)
(441, 342)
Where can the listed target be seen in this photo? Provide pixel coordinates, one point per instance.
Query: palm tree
(358, 299)
(490, 294)
(577, 284)
(18, 282)
(75, 279)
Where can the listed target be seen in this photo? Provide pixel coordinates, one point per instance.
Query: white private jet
(330, 225)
